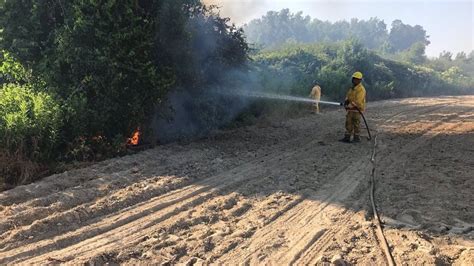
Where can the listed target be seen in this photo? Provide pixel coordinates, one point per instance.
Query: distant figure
(316, 95)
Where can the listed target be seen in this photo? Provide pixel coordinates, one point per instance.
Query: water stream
(283, 97)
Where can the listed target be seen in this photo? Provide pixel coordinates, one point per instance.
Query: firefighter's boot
(356, 138)
(346, 139)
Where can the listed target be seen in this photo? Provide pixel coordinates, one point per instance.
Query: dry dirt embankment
(280, 192)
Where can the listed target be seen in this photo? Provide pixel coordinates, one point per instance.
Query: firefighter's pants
(352, 123)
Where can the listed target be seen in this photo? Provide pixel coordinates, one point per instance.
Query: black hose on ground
(378, 224)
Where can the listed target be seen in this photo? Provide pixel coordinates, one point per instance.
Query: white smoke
(239, 11)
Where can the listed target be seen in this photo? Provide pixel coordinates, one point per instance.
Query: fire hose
(363, 117)
(378, 224)
(365, 122)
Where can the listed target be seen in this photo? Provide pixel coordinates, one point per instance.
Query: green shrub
(29, 131)
(11, 71)
(291, 69)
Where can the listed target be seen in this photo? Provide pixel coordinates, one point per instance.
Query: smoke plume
(239, 11)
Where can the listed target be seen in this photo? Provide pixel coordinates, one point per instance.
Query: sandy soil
(277, 193)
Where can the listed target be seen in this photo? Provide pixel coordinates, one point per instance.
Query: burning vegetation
(134, 140)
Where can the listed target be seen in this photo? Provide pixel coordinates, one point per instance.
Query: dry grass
(15, 169)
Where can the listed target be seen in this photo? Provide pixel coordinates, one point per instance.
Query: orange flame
(135, 139)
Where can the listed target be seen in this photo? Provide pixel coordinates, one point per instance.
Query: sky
(449, 23)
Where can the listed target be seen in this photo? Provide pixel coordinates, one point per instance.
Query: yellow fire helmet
(357, 75)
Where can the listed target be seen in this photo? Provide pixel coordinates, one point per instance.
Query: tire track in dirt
(413, 228)
(425, 136)
(171, 204)
(304, 224)
(95, 188)
(99, 206)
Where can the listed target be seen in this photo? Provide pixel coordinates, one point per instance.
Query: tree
(446, 55)
(461, 56)
(403, 36)
(416, 53)
(471, 55)
(275, 28)
(372, 33)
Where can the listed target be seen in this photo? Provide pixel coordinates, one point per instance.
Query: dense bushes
(97, 57)
(29, 130)
(107, 66)
(30, 121)
(293, 68)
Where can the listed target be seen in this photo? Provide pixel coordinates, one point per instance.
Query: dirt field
(278, 193)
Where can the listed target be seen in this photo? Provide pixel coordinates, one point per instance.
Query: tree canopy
(279, 27)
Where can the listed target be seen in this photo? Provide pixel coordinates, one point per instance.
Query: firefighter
(355, 101)
(316, 95)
